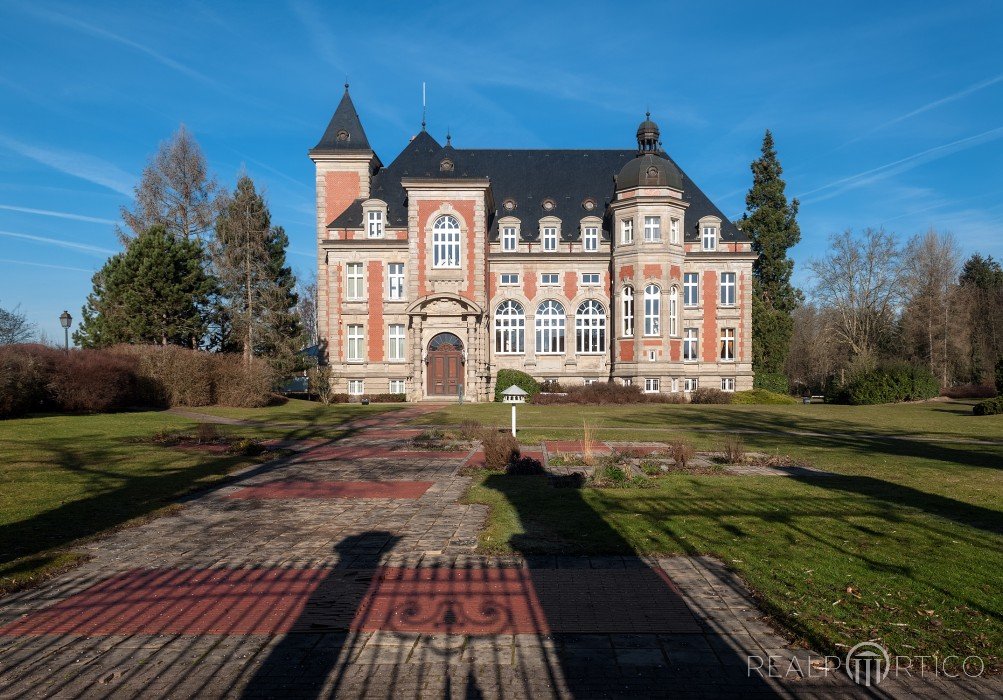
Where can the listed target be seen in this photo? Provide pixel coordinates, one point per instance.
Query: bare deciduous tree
(307, 310)
(176, 191)
(15, 327)
(813, 357)
(860, 281)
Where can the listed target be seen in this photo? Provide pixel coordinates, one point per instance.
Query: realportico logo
(867, 663)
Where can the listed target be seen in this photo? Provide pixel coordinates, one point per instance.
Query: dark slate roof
(528, 177)
(345, 120)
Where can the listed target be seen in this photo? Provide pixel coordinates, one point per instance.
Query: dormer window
(510, 242)
(709, 238)
(550, 239)
(590, 239)
(374, 225)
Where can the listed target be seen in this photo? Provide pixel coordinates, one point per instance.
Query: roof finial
(448, 137)
(422, 105)
(346, 84)
(647, 113)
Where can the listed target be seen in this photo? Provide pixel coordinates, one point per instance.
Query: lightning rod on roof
(422, 105)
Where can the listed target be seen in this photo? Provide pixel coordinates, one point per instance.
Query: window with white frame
(691, 345)
(397, 386)
(446, 242)
(549, 238)
(627, 231)
(509, 278)
(591, 238)
(728, 344)
(590, 382)
(652, 355)
(355, 352)
(690, 384)
(675, 385)
(356, 387)
(652, 310)
(510, 328)
(709, 238)
(550, 321)
(728, 384)
(627, 300)
(550, 279)
(355, 289)
(674, 230)
(628, 381)
(691, 289)
(590, 279)
(509, 239)
(652, 229)
(375, 223)
(674, 311)
(652, 385)
(727, 289)
(395, 278)
(590, 328)
(396, 342)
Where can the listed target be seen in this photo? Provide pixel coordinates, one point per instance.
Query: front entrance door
(445, 365)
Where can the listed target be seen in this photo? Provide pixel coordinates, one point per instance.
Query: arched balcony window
(550, 322)
(652, 310)
(510, 328)
(590, 328)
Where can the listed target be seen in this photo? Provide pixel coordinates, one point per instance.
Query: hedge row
(39, 378)
(900, 382)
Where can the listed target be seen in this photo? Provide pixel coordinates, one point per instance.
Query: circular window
(652, 171)
(589, 204)
(342, 135)
(549, 204)
(509, 204)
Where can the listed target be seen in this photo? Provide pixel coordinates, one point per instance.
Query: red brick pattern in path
(423, 600)
(290, 488)
(343, 452)
(573, 446)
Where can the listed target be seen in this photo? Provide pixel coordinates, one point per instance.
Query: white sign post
(514, 395)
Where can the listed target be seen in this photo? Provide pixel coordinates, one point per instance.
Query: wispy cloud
(82, 165)
(37, 264)
(897, 167)
(57, 214)
(85, 247)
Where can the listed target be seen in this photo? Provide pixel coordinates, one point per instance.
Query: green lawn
(904, 543)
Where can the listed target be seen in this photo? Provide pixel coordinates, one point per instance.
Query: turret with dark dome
(650, 168)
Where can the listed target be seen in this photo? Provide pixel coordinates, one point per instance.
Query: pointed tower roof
(345, 132)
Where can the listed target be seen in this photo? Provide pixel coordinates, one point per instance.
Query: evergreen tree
(258, 298)
(771, 222)
(981, 283)
(156, 291)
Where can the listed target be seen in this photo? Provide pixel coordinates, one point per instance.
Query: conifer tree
(156, 291)
(771, 222)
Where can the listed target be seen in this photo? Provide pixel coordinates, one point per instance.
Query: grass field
(902, 544)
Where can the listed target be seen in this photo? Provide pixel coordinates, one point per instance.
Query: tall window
(550, 328)
(709, 238)
(674, 311)
(509, 241)
(652, 310)
(550, 238)
(396, 341)
(674, 231)
(728, 344)
(355, 349)
(652, 229)
(591, 238)
(628, 311)
(590, 327)
(727, 289)
(446, 242)
(690, 384)
(354, 289)
(375, 225)
(510, 328)
(690, 345)
(691, 289)
(395, 276)
(627, 231)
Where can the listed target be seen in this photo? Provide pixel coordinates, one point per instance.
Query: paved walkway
(349, 570)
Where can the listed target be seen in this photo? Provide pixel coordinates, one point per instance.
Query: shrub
(681, 453)
(525, 466)
(999, 375)
(969, 391)
(989, 407)
(605, 393)
(170, 375)
(240, 384)
(500, 449)
(471, 430)
(509, 377)
(79, 381)
(771, 381)
(552, 386)
(386, 398)
(889, 384)
(734, 450)
(710, 395)
(22, 381)
(610, 477)
(762, 397)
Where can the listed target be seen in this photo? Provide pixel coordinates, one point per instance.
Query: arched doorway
(445, 365)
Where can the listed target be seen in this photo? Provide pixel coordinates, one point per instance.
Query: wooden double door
(445, 365)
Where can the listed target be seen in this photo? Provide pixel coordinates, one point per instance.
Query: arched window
(627, 300)
(652, 310)
(446, 242)
(674, 311)
(590, 327)
(510, 328)
(550, 328)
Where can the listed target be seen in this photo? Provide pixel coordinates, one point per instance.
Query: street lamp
(65, 320)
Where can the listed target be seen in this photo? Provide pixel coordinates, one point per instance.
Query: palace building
(449, 264)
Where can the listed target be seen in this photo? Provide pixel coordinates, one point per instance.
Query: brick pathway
(348, 570)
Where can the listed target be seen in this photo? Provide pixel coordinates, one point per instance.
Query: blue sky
(885, 114)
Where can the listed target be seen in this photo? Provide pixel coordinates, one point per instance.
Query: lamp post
(65, 320)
